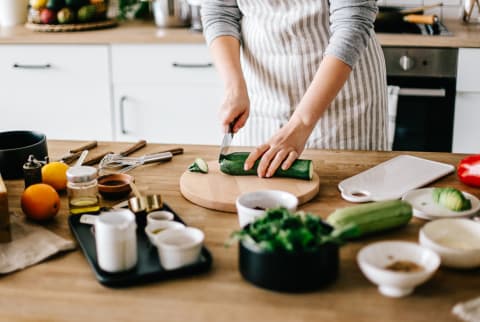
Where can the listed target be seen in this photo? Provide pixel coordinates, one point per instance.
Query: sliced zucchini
(199, 165)
(233, 164)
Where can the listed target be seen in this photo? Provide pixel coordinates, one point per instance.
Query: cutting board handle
(356, 196)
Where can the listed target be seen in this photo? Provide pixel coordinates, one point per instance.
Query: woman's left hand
(281, 150)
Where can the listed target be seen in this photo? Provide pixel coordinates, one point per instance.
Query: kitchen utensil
(424, 207)
(116, 241)
(391, 19)
(421, 19)
(81, 158)
(179, 247)
(392, 179)
(252, 205)
(227, 140)
(171, 13)
(375, 259)
(216, 190)
(457, 241)
(153, 229)
(141, 203)
(15, 147)
(122, 164)
(289, 272)
(114, 185)
(137, 146)
(148, 268)
(75, 153)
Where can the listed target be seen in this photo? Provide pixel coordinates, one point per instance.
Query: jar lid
(80, 174)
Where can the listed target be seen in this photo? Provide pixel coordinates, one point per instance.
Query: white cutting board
(392, 179)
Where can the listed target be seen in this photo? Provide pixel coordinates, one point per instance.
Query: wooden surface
(64, 288)
(147, 33)
(218, 191)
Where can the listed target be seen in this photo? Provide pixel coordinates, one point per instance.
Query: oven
(426, 98)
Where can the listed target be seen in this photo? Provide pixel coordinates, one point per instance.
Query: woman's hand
(235, 108)
(281, 150)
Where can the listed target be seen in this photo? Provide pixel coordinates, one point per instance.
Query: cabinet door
(466, 132)
(61, 90)
(168, 113)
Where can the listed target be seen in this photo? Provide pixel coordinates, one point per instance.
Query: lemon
(55, 174)
(38, 4)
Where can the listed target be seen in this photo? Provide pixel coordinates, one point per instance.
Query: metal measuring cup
(143, 204)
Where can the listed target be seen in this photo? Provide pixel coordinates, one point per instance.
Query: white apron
(282, 45)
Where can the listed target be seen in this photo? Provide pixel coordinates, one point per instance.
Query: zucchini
(232, 164)
(451, 198)
(372, 217)
(199, 165)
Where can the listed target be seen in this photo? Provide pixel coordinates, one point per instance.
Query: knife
(227, 140)
(75, 153)
(137, 146)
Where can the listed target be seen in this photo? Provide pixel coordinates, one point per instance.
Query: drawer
(53, 64)
(179, 63)
(468, 70)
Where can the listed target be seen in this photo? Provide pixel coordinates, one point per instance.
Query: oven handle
(431, 92)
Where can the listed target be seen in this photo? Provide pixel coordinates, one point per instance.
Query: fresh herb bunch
(280, 230)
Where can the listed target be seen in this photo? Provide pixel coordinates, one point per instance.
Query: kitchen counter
(64, 288)
(147, 33)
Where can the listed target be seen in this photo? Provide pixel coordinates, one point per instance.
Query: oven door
(425, 110)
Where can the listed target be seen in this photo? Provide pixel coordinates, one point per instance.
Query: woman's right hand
(235, 108)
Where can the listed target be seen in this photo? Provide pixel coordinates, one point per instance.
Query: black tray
(148, 268)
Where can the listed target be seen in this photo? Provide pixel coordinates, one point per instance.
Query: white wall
(451, 9)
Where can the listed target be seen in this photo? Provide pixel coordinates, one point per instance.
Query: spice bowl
(397, 267)
(115, 186)
(154, 229)
(159, 216)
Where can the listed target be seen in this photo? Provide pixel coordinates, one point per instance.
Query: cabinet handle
(23, 66)
(183, 65)
(122, 115)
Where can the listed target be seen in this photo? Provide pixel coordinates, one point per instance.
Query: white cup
(13, 12)
(179, 247)
(155, 228)
(160, 215)
(252, 205)
(116, 240)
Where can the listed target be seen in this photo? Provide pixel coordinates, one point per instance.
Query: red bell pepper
(468, 170)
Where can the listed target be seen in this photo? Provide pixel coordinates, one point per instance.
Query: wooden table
(65, 289)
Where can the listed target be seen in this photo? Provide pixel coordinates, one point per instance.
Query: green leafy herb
(280, 230)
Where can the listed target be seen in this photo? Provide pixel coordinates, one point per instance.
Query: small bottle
(82, 190)
(32, 171)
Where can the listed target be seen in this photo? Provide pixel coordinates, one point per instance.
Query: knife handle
(88, 146)
(71, 157)
(96, 159)
(174, 151)
(140, 144)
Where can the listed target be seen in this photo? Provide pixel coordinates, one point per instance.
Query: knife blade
(227, 140)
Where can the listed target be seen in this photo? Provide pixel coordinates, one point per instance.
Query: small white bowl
(179, 247)
(373, 260)
(156, 228)
(252, 205)
(160, 215)
(457, 241)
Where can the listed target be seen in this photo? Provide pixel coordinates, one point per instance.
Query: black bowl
(15, 147)
(289, 272)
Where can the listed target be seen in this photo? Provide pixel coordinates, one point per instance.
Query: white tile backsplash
(451, 9)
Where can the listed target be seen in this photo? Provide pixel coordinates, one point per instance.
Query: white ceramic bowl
(179, 247)
(373, 260)
(252, 205)
(156, 228)
(159, 215)
(457, 241)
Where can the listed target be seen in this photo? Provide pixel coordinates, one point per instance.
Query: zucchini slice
(232, 164)
(199, 165)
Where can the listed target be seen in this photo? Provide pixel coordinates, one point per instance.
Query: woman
(310, 73)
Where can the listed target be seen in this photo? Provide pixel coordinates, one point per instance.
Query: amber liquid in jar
(82, 190)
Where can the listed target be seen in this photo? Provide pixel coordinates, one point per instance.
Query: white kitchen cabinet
(61, 90)
(466, 132)
(166, 94)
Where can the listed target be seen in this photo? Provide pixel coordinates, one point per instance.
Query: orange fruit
(40, 202)
(55, 174)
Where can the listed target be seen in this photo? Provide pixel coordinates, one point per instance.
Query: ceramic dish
(154, 229)
(159, 216)
(457, 241)
(115, 185)
(397, 267)
(424, 207)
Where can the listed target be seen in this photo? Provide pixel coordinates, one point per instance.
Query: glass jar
(82, 190)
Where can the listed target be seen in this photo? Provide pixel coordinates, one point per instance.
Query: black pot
(15, 147)
(289, 272)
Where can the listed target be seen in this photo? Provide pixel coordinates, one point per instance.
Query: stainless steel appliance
(426, 101)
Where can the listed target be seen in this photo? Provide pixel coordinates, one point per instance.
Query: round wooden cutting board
(218, 191)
